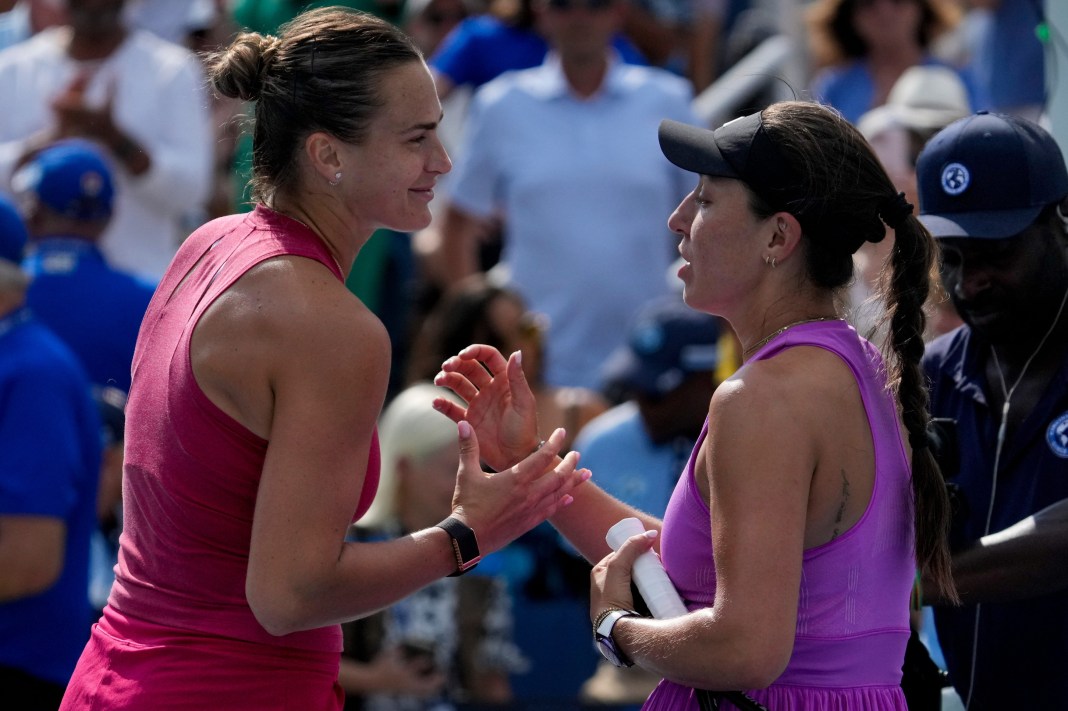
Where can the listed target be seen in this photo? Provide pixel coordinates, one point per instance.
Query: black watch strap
(464, 545)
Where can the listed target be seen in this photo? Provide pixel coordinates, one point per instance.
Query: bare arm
(1017, 563)
(32, 549)
(503, 410)
(758, 498)
(294, 356)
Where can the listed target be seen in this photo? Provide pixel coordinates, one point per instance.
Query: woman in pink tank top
(257, 381)
(795, 531)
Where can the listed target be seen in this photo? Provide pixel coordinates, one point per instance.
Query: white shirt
(160, 101)
(585, 193)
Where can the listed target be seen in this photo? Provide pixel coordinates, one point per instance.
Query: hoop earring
(337, 178)
(767, 260)
(774, 262)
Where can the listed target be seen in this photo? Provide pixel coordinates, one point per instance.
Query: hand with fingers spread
(610, 579)
(500, 507)
(500, 405)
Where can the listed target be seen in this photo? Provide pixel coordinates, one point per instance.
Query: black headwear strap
(894, 210)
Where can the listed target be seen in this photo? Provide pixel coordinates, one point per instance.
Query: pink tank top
(191, 471)
(853, 602)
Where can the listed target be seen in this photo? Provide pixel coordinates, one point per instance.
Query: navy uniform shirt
(1022, 645)
(94, 308)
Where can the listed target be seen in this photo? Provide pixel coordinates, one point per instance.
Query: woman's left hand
(610, 579)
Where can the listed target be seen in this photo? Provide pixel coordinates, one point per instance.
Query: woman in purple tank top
(795, 531)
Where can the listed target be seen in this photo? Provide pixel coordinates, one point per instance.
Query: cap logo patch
(92, 183)
(955, 179)
(1057, 436)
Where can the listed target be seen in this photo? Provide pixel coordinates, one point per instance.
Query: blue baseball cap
(13, 234)
(668, 341)
(70, 177)
(988, 176)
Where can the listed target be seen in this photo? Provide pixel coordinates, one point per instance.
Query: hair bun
(238, 70)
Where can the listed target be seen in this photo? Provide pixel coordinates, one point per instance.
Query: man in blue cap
(67, 193)
(993, 192)
(49, 466)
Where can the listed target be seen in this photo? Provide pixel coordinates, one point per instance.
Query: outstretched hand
(500, 405)
(501, 506)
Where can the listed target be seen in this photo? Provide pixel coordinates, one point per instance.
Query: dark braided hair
(843, 199)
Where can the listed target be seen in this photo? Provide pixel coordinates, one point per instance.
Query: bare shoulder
(786, 380)
(792, 397)
(287, 322)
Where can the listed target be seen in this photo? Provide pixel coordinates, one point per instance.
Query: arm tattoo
(841, 507)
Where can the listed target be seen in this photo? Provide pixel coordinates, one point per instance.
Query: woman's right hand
(501, 506)
(500, 404)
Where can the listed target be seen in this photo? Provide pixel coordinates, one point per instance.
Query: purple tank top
(853, 602)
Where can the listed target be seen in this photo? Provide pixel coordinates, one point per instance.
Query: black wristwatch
(602, 634)
(464, 545)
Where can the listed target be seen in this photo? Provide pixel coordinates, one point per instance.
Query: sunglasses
(572, 4)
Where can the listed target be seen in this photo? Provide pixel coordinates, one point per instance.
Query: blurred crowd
(544, 241)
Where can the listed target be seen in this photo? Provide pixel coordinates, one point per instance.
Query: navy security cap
(988, 176)
(739, 149)
(12, 232)
(668, 341)
(70, 177)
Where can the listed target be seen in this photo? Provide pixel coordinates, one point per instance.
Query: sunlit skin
(387, 180)
(721, 243)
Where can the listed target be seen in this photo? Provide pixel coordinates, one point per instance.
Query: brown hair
(844, 195)
(834, 38)
(321, 74)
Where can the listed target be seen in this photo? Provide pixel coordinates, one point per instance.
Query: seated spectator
(862, 47)
(49, 466)
(476, 310)
(447, 643)
(68, 198)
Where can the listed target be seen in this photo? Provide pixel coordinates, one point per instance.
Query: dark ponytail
(905, 294)
(844, 199)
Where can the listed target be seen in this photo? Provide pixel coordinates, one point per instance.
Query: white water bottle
(648, 572)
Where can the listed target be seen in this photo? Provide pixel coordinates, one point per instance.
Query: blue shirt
(1010, 61)
(1023, 645)
(49, 466)
(96, 309)
(627, 464)
(851, 89)
(482, 47)
(585, 193)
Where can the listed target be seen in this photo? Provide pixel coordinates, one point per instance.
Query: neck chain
(763, 341)
(321, 239)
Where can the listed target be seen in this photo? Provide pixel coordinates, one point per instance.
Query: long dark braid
(845, 198)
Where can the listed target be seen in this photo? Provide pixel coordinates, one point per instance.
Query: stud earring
(337, 178)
